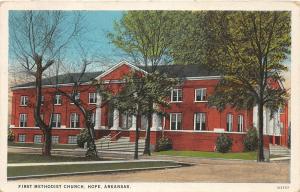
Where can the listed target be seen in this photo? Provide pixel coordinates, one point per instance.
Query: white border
(179, 5)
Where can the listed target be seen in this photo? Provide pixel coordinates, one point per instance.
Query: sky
(96, 43)
(94, 39)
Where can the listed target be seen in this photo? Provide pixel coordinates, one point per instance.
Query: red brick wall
(30, 132)
(65, 109)
(214, 119)
(201, 141)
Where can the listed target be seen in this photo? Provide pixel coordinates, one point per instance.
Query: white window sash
(176, 92)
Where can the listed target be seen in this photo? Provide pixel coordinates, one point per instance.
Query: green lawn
(36, 158)
(35, 145)
(243, 155)
(54, 169)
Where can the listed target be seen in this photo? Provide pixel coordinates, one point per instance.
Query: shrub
(83, 137)
(251, 140)
(10, 135)
(164, 144)
(223, 143)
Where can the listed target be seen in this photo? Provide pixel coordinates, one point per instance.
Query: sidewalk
(83, 162)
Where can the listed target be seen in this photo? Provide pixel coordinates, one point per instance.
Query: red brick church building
(191, 124)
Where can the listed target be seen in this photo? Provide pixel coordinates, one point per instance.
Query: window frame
(40, 139)
(52, 139)
(203, 96)
(176, 121)
(239, 122)
(201, 123)
(55, 99)
(177, 95)
(24, 100)
(93, 98)
(25, 115)
(228, 127)
(22, 136)
(57, 123)
(77, 123)
(77, 95)
(74, 139)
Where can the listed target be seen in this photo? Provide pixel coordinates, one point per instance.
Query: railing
(109, 140)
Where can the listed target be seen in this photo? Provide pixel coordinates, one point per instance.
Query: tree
(37, 38)
(141, 90)
(145, 37)
(248, 50)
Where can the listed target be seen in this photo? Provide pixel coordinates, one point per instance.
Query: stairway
(122, 146)
(279, 150)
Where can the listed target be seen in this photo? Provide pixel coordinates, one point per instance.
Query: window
(229, 122)
(240, 123)
(24, 101)
(74, 120)
(72, 139)
(200, 94)
(93, 118)
(23, 120)
(76, 97)
(56, 120)
(200, 121)
(55, 139)
(176, 95)
(126, 121)
(22, 138)
(57, 100)
(92, 98)
(37, 138)
(42, 100)
(42, 117)
(175, 121)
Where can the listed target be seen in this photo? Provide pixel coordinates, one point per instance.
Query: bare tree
(37, 38)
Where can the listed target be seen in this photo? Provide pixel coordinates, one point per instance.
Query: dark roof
(64, 79)
(171, 70)
(184, 70)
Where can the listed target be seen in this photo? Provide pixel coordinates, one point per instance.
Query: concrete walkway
(83, 162)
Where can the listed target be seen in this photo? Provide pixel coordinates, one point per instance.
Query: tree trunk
(260, 155)
(92, 149)
(147, 142)
(45, 129)
(136, 147)
(47, 143)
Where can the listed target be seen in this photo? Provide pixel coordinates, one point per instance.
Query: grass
(36, 158)
(54, 169)
(35, 145)
(243, 155)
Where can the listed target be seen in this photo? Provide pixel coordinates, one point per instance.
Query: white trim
(117, 66)
(193, 131)
(231, 122)
(177, 95)
(39, 128)
(76, 116)
(201, 114)
(58, 85)
(25, 99)
(176, 121)
(195, 94)
(95, 98)
(203, 78)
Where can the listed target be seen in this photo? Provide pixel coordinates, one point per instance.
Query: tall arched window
(229, 122)
(240, 123)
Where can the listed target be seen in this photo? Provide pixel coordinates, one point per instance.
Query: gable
(118, 71)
